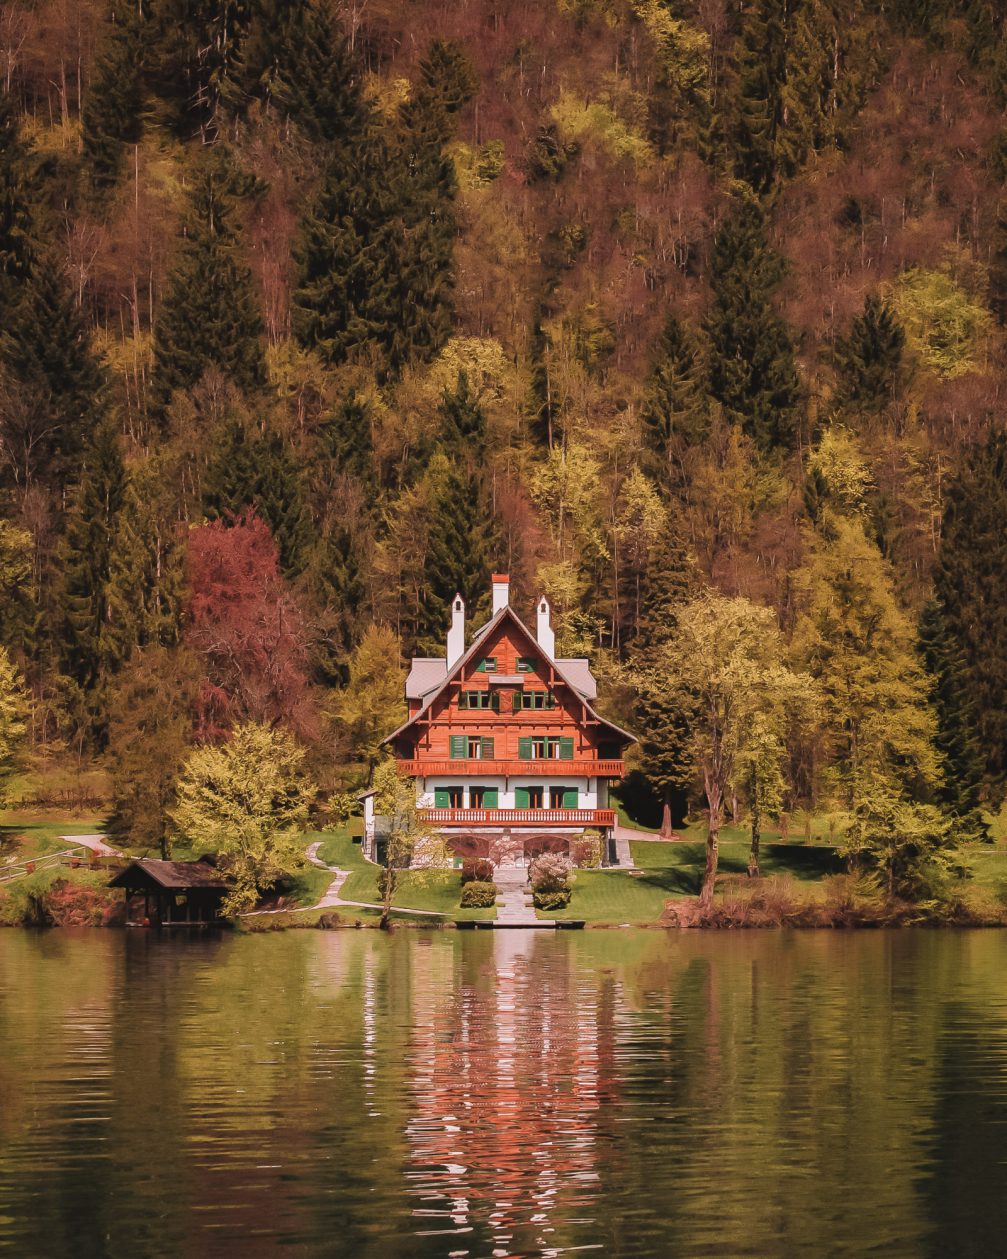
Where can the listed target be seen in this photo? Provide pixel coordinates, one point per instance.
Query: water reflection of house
(509, 1073)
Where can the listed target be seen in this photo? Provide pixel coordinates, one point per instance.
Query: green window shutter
(441, 798)
(521, 797)
(566, 749)
(550, 700)
(487, 749)
(569, 797)
(524, 749)
(490, 798)
(463, 699)
(459, 747)
(516, 701)
(495, 701)
(481, 666)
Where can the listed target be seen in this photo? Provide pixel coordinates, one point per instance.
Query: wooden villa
(509, 754)
(175, 893)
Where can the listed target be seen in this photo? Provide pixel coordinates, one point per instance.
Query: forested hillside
(314, 313)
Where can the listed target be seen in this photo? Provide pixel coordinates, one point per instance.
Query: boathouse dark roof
(173, 876)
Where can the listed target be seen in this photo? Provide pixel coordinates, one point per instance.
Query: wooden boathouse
(175, 893)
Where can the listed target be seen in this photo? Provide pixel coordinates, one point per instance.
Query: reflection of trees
(509, 1068)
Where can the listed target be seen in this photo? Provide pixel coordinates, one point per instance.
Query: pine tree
(671, 580)
(759, 74)
(344, 256)
(970, 581)
(961, 791)
(296, 59)
(335, 581)
(870, 358)
(464, 422)
(112, 115)
(146, 586)
(344, 438)
(16, 219)
(86, 551)
(48, 360)
(195, 45)
(459, 547)
(259, 470)
(676, 410)
(752, 367)
(210, 315)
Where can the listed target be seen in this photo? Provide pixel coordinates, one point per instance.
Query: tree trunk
(667, 830)
(714, 800)
(753, 857)
(387, 897)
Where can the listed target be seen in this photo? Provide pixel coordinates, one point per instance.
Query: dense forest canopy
(314, 313)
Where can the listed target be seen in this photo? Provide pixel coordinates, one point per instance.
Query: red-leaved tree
(247, 629)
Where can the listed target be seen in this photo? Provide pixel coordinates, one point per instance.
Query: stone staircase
(514, 906)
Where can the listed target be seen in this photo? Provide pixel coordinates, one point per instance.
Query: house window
(538, 747)
(449, 797)
(533, 700)
(483, 797)
(562, 797)
(470, 747)
(526, 664)
(488, 664)
(529, 797)
(479, 699)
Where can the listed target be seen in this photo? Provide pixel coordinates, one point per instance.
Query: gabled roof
(174, 876)
(570, 672)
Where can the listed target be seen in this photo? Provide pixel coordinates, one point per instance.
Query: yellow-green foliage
(587, 122)
(943, 323)
(12, 712)
(838, 461)
(684, 50)
(247, 800)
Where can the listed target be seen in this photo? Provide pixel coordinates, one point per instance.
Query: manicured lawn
(437, 891)
(616, 897)
(806, 862)
(341, 846)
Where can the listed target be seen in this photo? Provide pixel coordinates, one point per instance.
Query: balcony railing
(518, 817)
(550, 767)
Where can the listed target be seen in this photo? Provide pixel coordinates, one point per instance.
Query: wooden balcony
(518, 817)
(549, 768)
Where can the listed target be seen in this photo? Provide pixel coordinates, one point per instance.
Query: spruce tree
(671, 580)
(752, 367)
(676, 409)
(464, 422)
(48, 360)
(146, 585)
(195, 45)
(259, 470)
(957, 743)
(759, 74)
(343, 438)
(870, 358)
(336, 584)
(210, 315)
(86, 551)
(459, 547)
(112, 114)
(970, 581)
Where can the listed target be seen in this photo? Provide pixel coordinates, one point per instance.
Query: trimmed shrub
(477, 870)
(558, 899)
(479, 895)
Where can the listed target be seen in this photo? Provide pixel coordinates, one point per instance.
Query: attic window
(526, 664)
(487, 665)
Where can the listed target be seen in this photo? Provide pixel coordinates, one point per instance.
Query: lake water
(633, 1093)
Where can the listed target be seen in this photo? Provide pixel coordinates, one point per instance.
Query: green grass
(614, 896)
(436, 891)
(341, 846)
(806, 862)
(30, 838)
